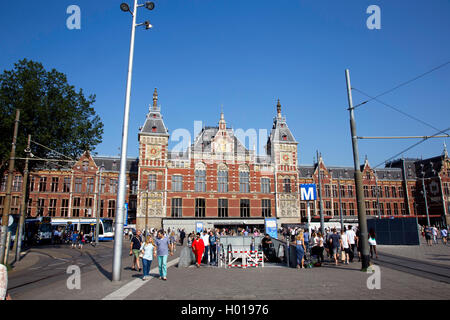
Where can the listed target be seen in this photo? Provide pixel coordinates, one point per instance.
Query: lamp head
(148, 25)
(149, 5)
(125, 7)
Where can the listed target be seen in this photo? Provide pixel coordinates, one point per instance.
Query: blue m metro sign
(308, 192)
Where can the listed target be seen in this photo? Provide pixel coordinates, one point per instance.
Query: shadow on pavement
(103, 271)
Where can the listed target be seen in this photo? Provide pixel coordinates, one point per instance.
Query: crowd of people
(433, 234)
(340, 246)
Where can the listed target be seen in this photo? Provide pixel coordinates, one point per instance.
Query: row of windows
(222, 208)
(40, 184)
(349, 208)
(222, 183)
(200, 182)
(77, 208)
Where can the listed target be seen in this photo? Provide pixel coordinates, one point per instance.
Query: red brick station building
(219, 182)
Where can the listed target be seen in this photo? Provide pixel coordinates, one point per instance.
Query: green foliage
(51, 110)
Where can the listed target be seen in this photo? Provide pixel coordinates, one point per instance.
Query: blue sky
(244, 55)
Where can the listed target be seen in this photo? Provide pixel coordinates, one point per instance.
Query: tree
(50, 110)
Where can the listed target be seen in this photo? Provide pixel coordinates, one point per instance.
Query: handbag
(141, 255)
(343, 255)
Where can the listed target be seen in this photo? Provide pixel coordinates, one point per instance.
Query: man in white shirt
(351, 235)
(205, 238)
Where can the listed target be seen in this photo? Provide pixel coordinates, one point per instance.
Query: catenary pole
(322, 220)
(340, 203)
(362, 220)
(118, 232)
(7, 207)
(23, 209)
(425, 198)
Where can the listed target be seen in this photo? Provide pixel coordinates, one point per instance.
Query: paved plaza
(407, 272)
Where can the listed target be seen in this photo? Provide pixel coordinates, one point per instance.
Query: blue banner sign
(271, 227)
(199, 227)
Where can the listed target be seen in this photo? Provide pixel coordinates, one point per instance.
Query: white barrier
(252, 258)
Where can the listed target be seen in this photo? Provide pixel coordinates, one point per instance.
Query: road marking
(129, 288)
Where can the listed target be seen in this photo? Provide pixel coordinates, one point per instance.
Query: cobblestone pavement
(271, 282)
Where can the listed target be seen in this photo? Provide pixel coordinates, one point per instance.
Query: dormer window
(153, 129)
(154, 115)
(284, 137)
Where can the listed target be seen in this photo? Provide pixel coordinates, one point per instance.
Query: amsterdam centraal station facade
(219, 182)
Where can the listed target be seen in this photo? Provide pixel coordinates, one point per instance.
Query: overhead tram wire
(53, 150)
(412, 146)
(403, 84)
(398, 110)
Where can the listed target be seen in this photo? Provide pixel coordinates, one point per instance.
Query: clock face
(285, 158)
(153, 152)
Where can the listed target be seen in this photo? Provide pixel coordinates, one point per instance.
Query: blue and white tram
(87, 226)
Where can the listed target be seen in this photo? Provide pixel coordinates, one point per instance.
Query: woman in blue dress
(300, 249)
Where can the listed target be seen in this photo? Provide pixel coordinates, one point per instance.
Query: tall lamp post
(118, 232)
(99, 202)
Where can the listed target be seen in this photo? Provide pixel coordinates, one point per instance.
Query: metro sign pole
(308, 192)
(363, 234)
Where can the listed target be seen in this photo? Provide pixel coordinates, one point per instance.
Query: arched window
(287, 185)
(244, 179)
(222, 178)
(200, 177)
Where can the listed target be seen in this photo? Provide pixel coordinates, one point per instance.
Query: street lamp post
(118, 232)
(99, 202)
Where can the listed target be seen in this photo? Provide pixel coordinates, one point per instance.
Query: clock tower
(282, 148)
(153, 148)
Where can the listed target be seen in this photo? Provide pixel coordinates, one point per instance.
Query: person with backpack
(334, 244)
(135, 248)
(212, 247)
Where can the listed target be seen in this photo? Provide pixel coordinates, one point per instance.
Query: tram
(38, 230)
(87, 226)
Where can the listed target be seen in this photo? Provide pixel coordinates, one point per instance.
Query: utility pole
(340, 203)
(7, 207)
(19, 232)
(425, 195)
(362, 220)
(322, 222)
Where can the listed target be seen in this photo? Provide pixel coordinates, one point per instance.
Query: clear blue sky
(244, 55)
